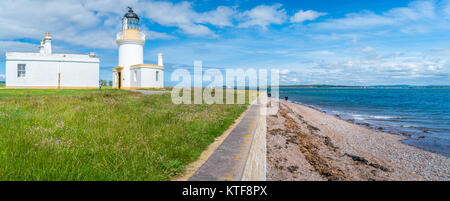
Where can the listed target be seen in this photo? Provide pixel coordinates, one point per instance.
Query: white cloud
(16, 46)
(330, 37)
(153, 35)
(284, 71)
(221, 17)
(417, 17)
(368, 49)
(263, 16)
(196, 29)
(302, 16)
(420, 68)
(94, 23)
(183, 16)
(441, 52)
(2, 76)
(355, 40)
(357, 20)
(33, 18)
(446, 9)
(282, 52)
(67, 21)
(384, 67)
(110, 6)
(169, 14)
(323, 53)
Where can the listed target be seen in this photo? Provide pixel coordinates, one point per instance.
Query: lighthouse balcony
(130, 34)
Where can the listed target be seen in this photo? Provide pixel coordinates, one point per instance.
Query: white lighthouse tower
(131, 71)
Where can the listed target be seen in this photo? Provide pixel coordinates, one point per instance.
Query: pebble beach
(306, 144)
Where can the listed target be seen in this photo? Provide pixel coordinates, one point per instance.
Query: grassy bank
(157, 89)
(26, 93)
(103, 134)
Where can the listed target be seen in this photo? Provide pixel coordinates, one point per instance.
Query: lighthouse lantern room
(131, 71)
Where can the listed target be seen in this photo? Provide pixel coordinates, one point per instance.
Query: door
(119, 81)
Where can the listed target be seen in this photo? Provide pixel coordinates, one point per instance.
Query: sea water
(421, 114)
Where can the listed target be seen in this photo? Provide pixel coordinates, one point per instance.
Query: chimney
(160, 59)
(41, 47)
(47, 44)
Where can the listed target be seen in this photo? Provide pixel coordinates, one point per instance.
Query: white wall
(135, 76)
(38, 74)
(148, 77)
(130, 53)
(114, 78)
(45, 74)
(79, 74)
(145, 78)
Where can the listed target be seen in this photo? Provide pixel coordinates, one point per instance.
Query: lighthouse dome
(131, 14)
(130, 20)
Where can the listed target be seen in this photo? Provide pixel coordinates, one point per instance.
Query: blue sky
(362, 42)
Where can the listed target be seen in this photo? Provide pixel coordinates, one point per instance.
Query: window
(133, 23)
(21, 70)
(157, 75)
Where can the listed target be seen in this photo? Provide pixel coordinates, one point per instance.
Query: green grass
(44, 92)
(103, 134)
(2, 85)
(157, 89)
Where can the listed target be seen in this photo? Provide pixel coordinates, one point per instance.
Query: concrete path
(228, 162)
(148, 92)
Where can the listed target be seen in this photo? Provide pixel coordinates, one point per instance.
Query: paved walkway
(228, 162)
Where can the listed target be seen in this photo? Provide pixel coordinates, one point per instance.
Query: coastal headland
(306, 144)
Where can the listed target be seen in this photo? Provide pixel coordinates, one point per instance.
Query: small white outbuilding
(48, 70)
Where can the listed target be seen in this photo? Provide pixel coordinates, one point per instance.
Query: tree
(103, 82)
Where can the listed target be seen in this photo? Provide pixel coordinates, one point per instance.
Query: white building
(47, 70)
(131, 71)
